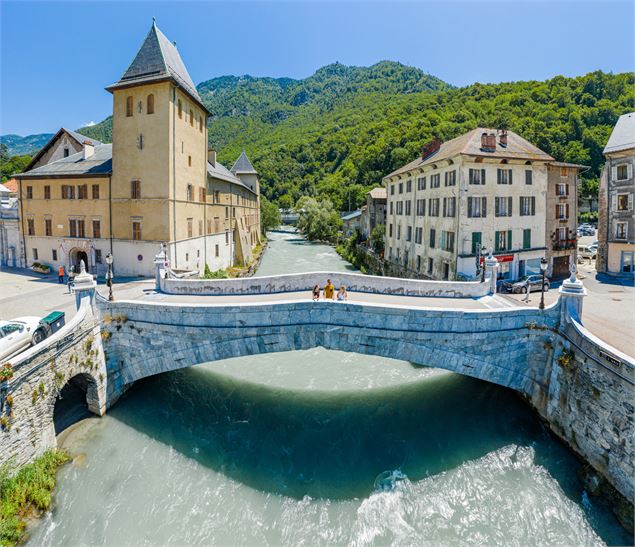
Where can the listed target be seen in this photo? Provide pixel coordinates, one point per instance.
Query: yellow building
(157, 183)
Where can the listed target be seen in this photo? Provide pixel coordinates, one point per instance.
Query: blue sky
(56, 58)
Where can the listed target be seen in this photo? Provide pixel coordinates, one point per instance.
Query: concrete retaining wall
(306, 282)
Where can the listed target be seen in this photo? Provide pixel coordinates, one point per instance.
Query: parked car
(529, 282)
(18, 334)
(586, 230)
(587, 251)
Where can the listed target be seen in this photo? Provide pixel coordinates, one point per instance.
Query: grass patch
(27, 492)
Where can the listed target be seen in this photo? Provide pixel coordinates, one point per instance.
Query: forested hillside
(17, 145)
(339, 131)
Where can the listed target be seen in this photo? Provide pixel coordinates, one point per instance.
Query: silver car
(18, 334)
(529, 283)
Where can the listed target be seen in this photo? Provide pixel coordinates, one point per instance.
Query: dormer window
(66, 152)
(150, 104)
(128, 107)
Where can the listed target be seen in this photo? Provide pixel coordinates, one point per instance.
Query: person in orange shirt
(329, 289)
(60, 274)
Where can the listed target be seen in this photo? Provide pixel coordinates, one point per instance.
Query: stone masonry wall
(27, 400)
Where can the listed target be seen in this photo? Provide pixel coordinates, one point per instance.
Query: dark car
(529, 282)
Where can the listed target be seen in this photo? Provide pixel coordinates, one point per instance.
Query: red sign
(503, 258)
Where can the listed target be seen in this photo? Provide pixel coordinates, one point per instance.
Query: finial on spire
(154, 20)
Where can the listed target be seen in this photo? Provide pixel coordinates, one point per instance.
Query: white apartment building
(487, 187)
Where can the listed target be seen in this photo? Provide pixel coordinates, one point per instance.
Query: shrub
(6, 372)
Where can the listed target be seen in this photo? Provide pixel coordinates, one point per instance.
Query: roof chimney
(488, 142)
(211, 156)
(430, 148)
(502, 138)
(89, 149)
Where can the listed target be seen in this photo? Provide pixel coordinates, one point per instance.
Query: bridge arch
(78, 398)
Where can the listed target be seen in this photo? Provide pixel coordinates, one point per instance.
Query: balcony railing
(563, 244)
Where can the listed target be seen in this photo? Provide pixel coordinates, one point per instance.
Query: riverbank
(27, 494)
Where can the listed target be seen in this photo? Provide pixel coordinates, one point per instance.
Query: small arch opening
(71, 404)
(150, 105)
(129, 106)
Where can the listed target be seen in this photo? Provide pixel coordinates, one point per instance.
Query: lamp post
(543, 269)
(109, 276)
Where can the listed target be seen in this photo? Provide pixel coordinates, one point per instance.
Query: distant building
(616, 228)
(561, 221)
(486, 188)
(10, 246)
(156, 183)
(352, 222)
(375, 212)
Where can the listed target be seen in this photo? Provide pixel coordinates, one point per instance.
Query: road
(609, 308)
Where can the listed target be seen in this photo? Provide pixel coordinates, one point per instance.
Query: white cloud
(89, 124)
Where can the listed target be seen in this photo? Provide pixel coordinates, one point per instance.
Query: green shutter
(526, 239)
(476, 239)
(509, 239)
(496, 241)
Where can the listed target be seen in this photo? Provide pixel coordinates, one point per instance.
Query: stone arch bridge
(582, 387)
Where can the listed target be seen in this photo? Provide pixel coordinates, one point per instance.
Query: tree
(269, 215)
(318, 220)
(377, 238)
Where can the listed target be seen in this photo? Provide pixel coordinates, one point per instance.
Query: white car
(18, 334)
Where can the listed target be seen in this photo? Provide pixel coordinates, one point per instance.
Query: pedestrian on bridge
(316, 293)
(329, 290)
(342, 295)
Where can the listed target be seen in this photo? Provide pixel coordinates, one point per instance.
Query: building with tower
(156, 183)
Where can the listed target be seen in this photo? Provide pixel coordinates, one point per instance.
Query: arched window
(191, 117)
(150, 105)
(128, 107)
(180, 109)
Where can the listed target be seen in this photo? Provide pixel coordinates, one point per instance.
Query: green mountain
(19, 146)
(338, 132)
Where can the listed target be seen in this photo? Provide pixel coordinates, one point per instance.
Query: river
(319, 448)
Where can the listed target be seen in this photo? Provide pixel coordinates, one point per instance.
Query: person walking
(60, 275)
(342, 295)
(316, 293)
(329, 289)
(71, 275)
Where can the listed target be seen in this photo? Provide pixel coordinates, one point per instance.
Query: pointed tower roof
(157, 60)
(243, 165)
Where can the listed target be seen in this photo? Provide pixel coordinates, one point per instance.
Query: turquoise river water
(319, 448)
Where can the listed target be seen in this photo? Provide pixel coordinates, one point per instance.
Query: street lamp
(543, 269)
(109, 276)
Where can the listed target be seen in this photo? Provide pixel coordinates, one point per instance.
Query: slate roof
(351, 216)
(243, 165)
(100, 163)
(219, 171)
(623, 134)
(469, 144)
(158, 59)
(81, 139)
(379, 193)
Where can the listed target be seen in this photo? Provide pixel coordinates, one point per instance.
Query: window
(476, 241)
(401, 187)
(233, 212)
(191, 117)
(477, 176)
(30, 226)
(419, 236)
(180, 108)
(29, 192)
(200, 124)
(128, 107)
(202, 193)
(449, 207)
(189, 161)
(226, 212)
(95, 191)
(390, 230)
(433, 238)
(47, 192)
(216, 196)
(504, 176)
(409, 233)
(435, 181)
(35, 254)
(418, 263)
(450, 178)
(226, 238)
(400, 207)
(392, 189)
(190, 193)
(68, 191)
(562, 211)
(561, 233)
(66, 152)
(421, 183)
(446, 271)
(621, 230)
(96, 229)
(529, 174)
(447, 241)
(150, 104)
(421, 207)
(189, 227)
(503, 240)
(136, 230)
(398, 231)
(98, 258)
(622, 202)
(526, 238)
(140, 141)
(562, 189)
(135, 189)
(48, 227)
(409, 186)
(54, 255)
(217, 250)
(430, 266)
(563, 171)
(503, 207)
(527, 206)
(433, 207)
(477, 207)
(76, 227)
(408, 207)
(622, 172)
(82, 191)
